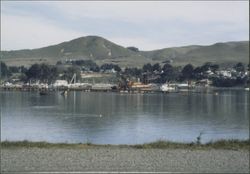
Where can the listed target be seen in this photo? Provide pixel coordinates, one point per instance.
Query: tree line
(148, 73)
(167, 73)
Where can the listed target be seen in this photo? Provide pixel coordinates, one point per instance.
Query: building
(60, 83)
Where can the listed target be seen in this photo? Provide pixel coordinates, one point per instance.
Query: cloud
(144, 11)
(144, 24)
(19, 32)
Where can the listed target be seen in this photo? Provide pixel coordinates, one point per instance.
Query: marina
(133, 87)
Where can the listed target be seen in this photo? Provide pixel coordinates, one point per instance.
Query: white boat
(168, 87)
(183, 87)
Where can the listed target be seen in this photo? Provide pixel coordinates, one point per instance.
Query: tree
(33, 72)
(206, 66)
(214, 67)
(94, 68)
(156, 67)
(187, 72)
(110, 66)
(135, 72)
(23, 77)
(197, 73)
(167, 68)
(45, 72)
(87, 65)
(23, 69)
(4, 71)
(239, 67)
(133, 49)
(14, 69)
(53, 74)
(147, 68)
(169, 73)
(117, 68)
(59, 62)
(42, 72)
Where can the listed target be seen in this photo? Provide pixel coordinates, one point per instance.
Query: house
(225, 73)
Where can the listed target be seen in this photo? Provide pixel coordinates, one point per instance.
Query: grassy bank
(221, 144)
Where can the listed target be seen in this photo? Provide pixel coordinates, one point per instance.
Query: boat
(183, 87)
(168, 88)
(64, 93)
(43, 93)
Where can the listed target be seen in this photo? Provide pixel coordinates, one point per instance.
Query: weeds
(221, 144)
(198, 139)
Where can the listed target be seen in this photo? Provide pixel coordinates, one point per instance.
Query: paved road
(124, 159)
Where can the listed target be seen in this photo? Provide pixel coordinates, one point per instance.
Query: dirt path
(123, 159)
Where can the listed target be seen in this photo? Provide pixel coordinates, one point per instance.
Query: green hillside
(103, 51)
(84, 47)
(221, 53)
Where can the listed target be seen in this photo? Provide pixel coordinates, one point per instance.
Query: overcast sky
(146, 25)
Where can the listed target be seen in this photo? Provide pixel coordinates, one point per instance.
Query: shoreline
(197, 87)
(220, 144)
(197, 90)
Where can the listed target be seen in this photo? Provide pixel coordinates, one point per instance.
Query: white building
(168, 87)
(60, 83)
(225, 73)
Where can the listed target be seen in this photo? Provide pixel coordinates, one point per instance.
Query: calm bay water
(114, 118)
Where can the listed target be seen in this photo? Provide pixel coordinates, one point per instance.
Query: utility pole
(0, 69)
(0, 72)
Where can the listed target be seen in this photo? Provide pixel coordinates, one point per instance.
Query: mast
(73, 78)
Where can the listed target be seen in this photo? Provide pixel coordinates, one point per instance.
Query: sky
(147, 25)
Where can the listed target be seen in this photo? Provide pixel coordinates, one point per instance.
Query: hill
(220, 53)
(102, 51)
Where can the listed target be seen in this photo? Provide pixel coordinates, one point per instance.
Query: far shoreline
(194, 90)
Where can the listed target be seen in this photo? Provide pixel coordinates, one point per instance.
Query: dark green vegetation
(221, 144)
(148, 74)
(103, 51)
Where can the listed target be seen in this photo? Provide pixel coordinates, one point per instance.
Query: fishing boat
(43, 93)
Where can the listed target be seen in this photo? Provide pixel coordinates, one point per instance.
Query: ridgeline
(103, 51)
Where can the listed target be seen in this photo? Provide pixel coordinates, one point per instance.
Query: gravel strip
(124, 160)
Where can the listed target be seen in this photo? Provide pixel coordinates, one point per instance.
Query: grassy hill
(84, 47)
(221, 53)
(102, 51)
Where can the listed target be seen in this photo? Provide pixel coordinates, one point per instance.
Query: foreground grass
(221, 144)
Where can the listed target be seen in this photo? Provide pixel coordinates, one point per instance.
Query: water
(114, 118)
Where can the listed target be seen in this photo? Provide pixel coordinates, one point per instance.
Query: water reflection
(113, 118)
